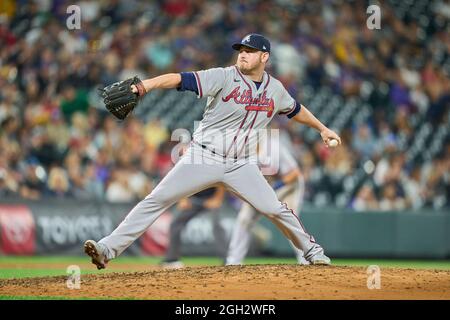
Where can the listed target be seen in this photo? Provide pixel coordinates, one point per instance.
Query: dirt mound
(284, 282)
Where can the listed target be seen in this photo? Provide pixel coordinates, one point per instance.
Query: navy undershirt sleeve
(188, 82)
(295, 111)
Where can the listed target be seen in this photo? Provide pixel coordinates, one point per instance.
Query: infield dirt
(283, 282)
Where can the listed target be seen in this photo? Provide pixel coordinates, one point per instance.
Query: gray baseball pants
(197, 170)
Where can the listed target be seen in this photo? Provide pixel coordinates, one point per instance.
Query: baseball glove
(119, 99)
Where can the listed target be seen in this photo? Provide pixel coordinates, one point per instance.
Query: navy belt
(212, 151)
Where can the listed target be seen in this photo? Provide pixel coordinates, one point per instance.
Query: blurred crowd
(56, 141)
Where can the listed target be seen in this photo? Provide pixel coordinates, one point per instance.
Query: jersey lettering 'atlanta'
(236, 108)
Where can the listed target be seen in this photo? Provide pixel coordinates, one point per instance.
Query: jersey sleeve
(288, 105)
(210, 81)
(188, 82)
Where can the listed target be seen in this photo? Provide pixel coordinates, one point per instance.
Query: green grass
(412, 264)
(24, 273)
(22, 270)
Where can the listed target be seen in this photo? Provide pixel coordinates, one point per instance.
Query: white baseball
(333, 143)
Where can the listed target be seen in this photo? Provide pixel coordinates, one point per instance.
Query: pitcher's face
(250, 59)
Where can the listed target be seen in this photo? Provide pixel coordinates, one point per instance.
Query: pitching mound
(284, 282)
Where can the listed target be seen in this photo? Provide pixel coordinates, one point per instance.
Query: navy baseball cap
(255, 41)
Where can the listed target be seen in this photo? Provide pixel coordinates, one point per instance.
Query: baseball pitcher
(241, 99)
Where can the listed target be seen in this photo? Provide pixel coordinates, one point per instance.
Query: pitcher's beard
(245, 70)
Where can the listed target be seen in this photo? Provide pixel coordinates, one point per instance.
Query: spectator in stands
(390, 199)
(414, 188)
(155, 134)
(365, 199)
(33, 183)
(58, 182)
(389, 169)
(437, 179)
(119, 189)
(92, 185)
(9, 185)
(364, 142)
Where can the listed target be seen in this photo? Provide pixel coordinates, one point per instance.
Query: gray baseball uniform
(223, 146)
(291, 194)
